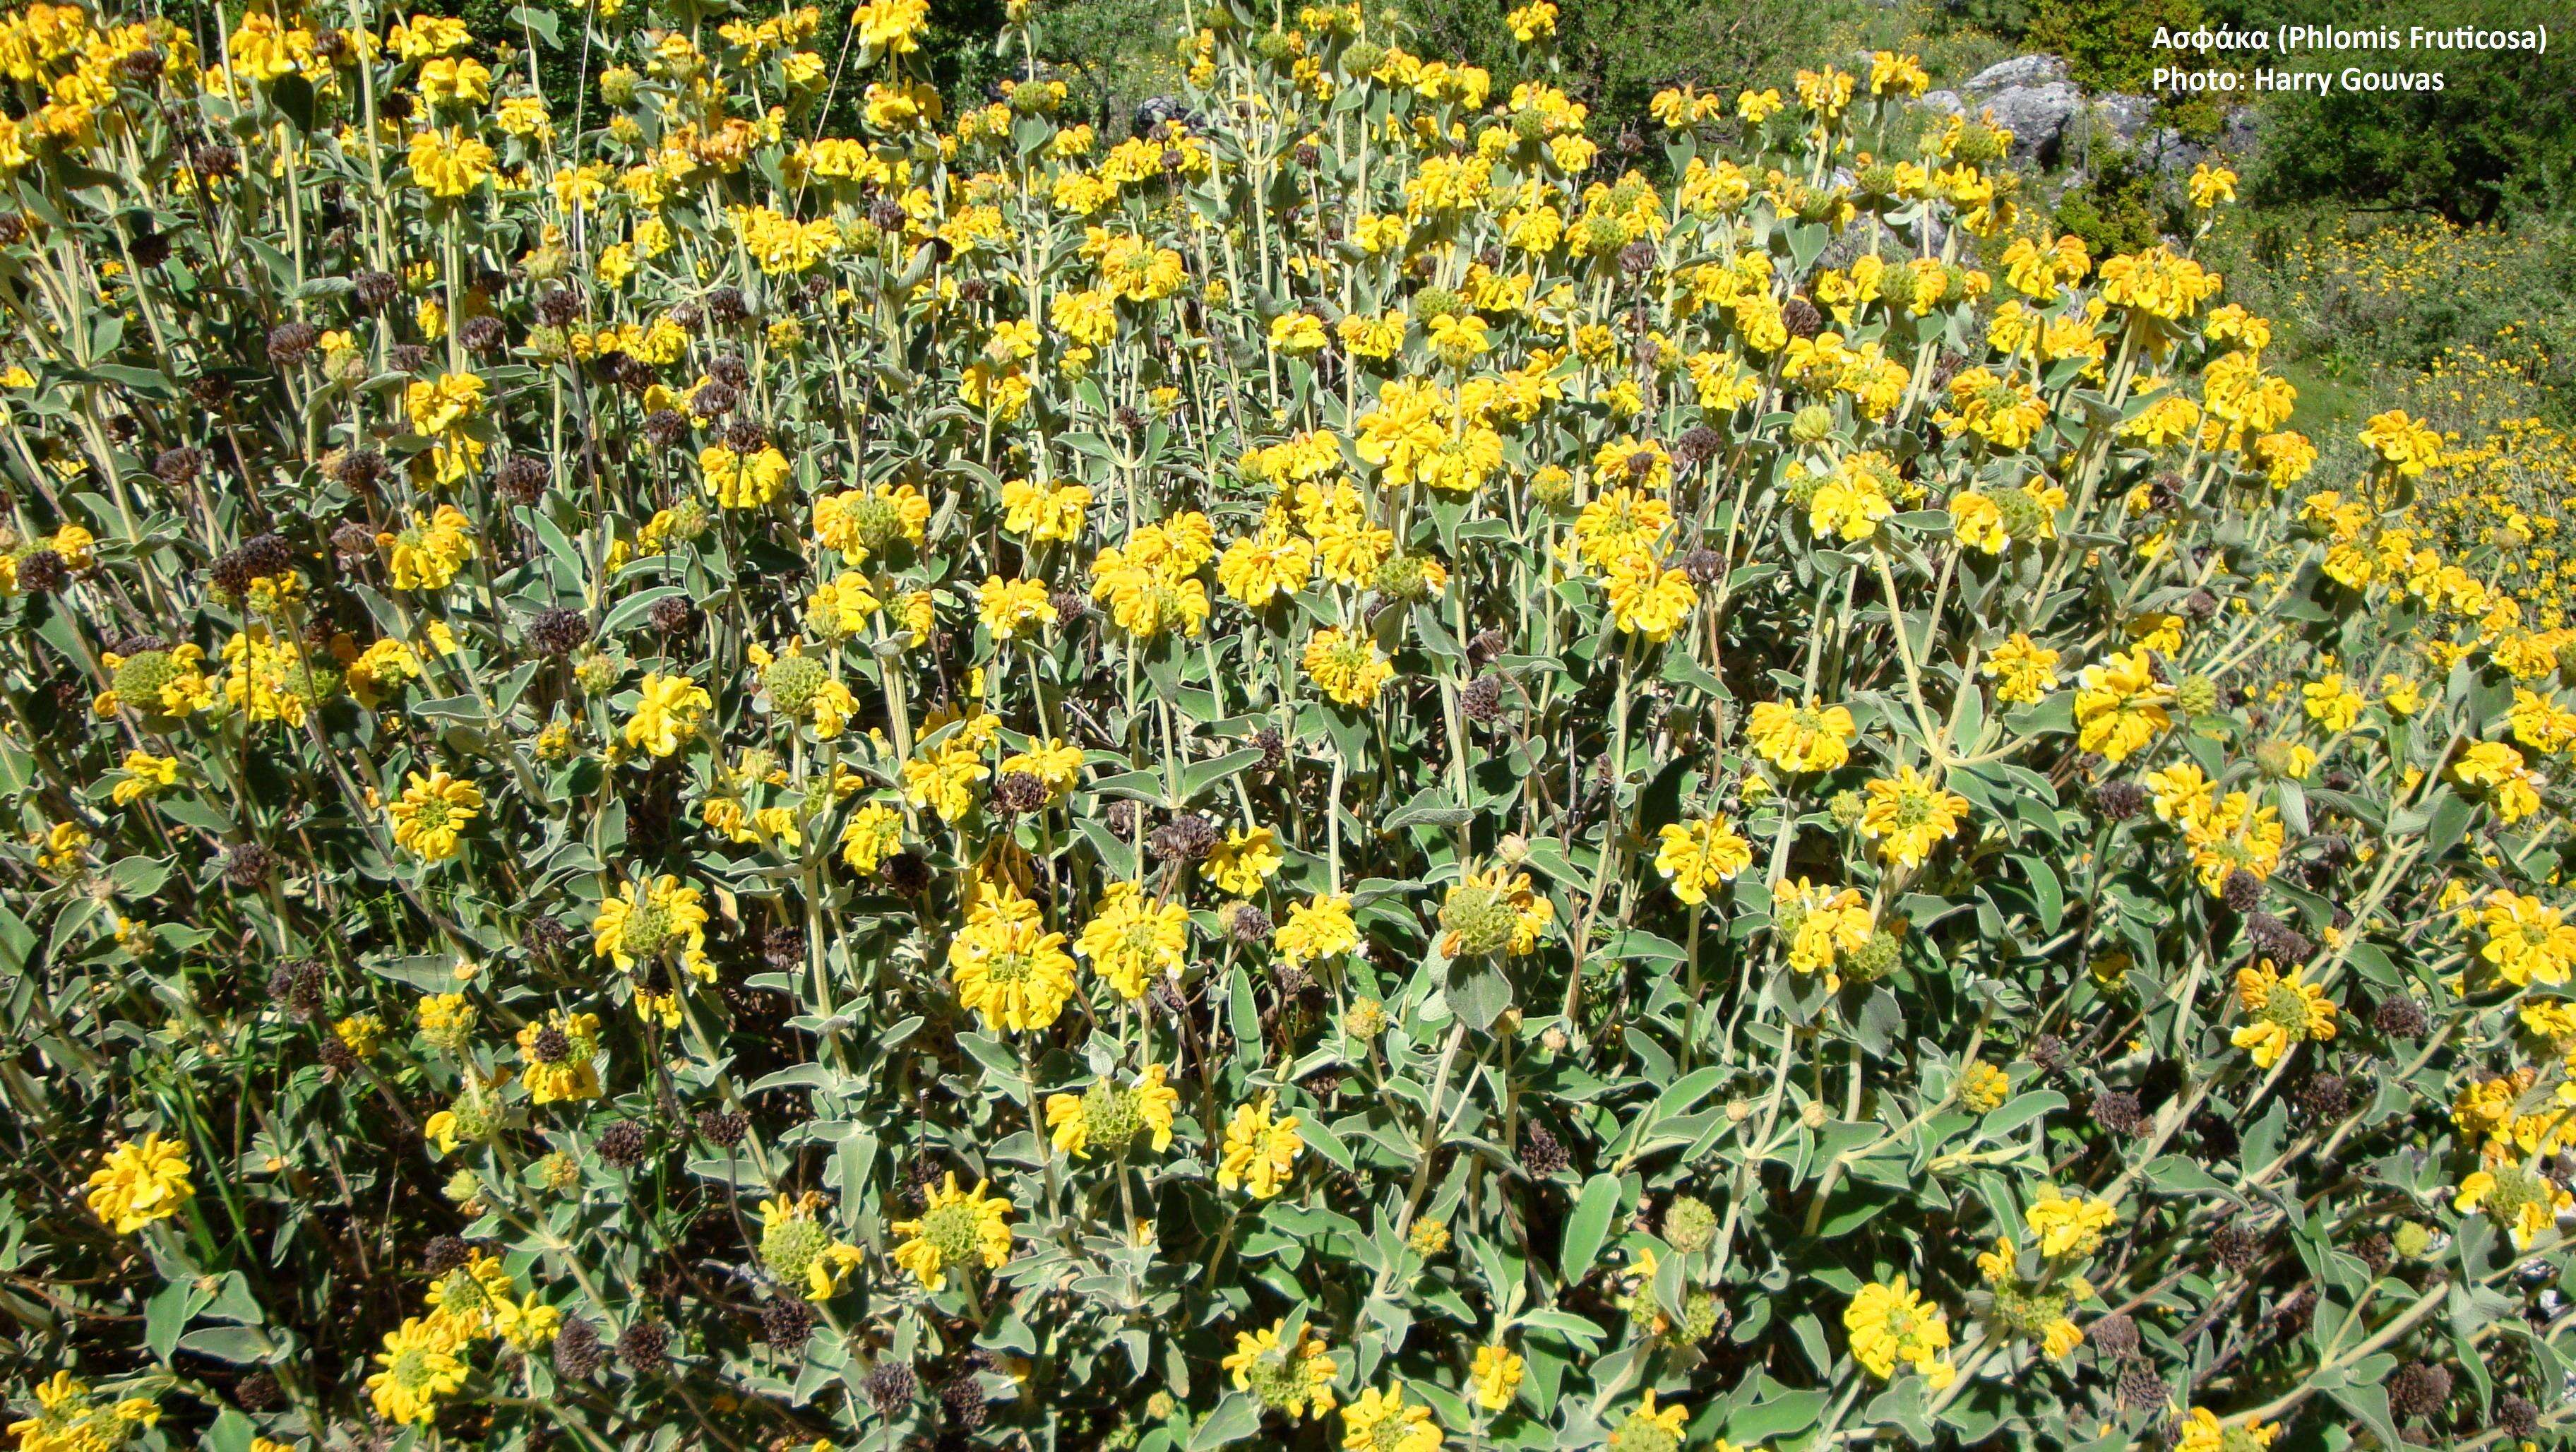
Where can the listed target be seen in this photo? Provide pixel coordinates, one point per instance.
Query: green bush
(2501, 131)
(1487, 804)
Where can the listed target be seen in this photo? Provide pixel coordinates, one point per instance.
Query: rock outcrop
(2055, 124)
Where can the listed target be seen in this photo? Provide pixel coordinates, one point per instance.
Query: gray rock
(1155, 110)
(2020, 71)
(2168, 153)
(1943, 103)
(2037, 117)
(2122, 118)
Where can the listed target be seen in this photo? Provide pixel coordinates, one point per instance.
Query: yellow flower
(1850, 502)
(943, 777)
(1260, 1151)
(556, 1057)
(2234, 835)
(2527, 940)
(797, 1249)
(1295, 1380)
(140, 1181)
(1052, 513)
(956, 1228)
(1112, 1114)
(2120, 706)
(446, 1020)
(455, 80)
(1297, 334)
(2203, 1432)
(427, 555)
(467, 1297)
(2211, 185)
(1381, 1422)
(1802, 738)
(645, 920)
(743, 481)
(874, 833)
(1243, 861)
(2516, 1198)
(1273, 564)
(1647, 598)
(421, 1366)
(1823, 925)
(2023, 670)
(2510, 786)
(1983, 1086)
(1347, 667)
(861, 523)
(360, 1033)
(1698, 856)
(1889, 1323)
(1493, 912)
(1622, 522)
(1052, 761)
(1013, 608)
(2409, 446)
(2069, 1225)
(2331, 703)
(431, 815)
(1006, 969)
(69, 1418)
(1908, 816)
(2182, 795)
(2286, 1013)
(668, 710)
(143, 775)
(1319, 927)
(840, 605)
(1495, 1377)
(451, 163)
(1131, 939)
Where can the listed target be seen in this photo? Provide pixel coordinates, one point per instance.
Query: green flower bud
(1812, 424)
(1402, 578)
(596, 673)
(953, 1229)
(2023, 517)
(1874, 958)
(1113, 1115)
(140, 679)
(1483, 921)
(789, 1245)
(1690, 1226)
(1641, 1433)
(2197, 695)
(1698, 1320)
(793, 681)
(558, 1172)
(1364, 1019)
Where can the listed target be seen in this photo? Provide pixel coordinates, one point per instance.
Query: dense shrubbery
(1330, 773)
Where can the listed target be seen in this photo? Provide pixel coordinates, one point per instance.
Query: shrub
(1330, 774)
(2496, 136)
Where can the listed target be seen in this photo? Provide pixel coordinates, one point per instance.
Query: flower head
(956, 1228)
(140, 1181)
